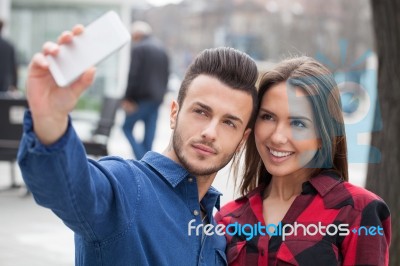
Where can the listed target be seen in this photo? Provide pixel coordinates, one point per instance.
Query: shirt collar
(211, 199)
(322, 183)
(325, 182)
(174, 173)
(167, 168)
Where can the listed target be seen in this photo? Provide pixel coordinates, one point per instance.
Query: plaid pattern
(325, 199)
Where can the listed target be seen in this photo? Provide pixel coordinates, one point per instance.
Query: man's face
(136, 36)
(209, 126)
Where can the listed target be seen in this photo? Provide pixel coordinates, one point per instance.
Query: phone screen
(99, 39)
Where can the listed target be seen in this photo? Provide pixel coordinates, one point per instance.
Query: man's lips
(204, 148)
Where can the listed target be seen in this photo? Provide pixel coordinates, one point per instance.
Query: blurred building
(270, 30)
(265, 29)
(32, 22)
(337, 32)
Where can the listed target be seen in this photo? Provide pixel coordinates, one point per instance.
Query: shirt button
(196, 212)
(190, 179)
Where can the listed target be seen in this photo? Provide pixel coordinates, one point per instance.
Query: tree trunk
(383, 178)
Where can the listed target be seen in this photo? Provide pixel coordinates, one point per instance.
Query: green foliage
(87, 102)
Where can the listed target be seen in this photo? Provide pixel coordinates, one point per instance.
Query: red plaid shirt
(325, 200)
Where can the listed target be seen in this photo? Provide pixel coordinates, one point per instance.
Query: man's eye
(230, 123)
(200, 111)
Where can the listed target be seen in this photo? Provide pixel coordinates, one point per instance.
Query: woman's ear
(319, 144)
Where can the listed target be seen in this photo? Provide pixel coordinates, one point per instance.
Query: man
(147, 84)
(8, 65)
(128, 212)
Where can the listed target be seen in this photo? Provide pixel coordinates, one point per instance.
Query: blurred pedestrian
(8, 64)
(147, 84)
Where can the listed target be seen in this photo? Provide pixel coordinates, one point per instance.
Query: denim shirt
(123, 212)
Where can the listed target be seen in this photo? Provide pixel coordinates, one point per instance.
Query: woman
(298, 207)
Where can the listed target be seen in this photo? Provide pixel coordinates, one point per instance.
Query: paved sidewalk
(33, 236)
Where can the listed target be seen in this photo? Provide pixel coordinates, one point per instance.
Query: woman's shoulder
(356, 190)
(337, 193)
(362, 197)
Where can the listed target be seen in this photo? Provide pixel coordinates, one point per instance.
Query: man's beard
(177, 145)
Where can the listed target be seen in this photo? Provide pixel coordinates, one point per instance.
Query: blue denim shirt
(123, 212)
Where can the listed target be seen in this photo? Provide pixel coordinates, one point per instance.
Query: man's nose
(210, 131)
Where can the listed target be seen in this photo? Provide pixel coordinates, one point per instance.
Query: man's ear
(244, 139)
(174, 114)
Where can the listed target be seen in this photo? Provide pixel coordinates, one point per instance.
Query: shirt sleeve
(84, 193)
(369, 236)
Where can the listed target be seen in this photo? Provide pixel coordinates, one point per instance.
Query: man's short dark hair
(230, 66)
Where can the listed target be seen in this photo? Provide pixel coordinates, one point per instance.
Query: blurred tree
(383, 178)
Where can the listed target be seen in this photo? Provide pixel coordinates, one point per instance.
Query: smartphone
(100, 39)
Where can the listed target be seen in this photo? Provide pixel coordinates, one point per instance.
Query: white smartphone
(100, 38)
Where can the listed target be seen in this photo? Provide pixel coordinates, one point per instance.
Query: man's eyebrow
(209, 109)
(235, 118)
(202, 105)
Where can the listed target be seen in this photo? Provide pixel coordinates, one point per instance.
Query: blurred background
(336, 32)
(268, 30)
(339, 33)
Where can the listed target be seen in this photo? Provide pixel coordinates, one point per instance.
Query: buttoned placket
(194, 205)
(193, 197)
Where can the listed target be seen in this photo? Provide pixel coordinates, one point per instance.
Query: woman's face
(285, 131)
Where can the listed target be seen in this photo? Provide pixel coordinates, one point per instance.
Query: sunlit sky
(163, 2)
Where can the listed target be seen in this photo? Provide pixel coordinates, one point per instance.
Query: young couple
(128, 212)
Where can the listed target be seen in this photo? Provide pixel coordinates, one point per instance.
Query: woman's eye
(298, 123)
(266, 117)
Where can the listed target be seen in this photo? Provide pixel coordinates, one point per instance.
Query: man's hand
(50, 104)
(129, 106)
